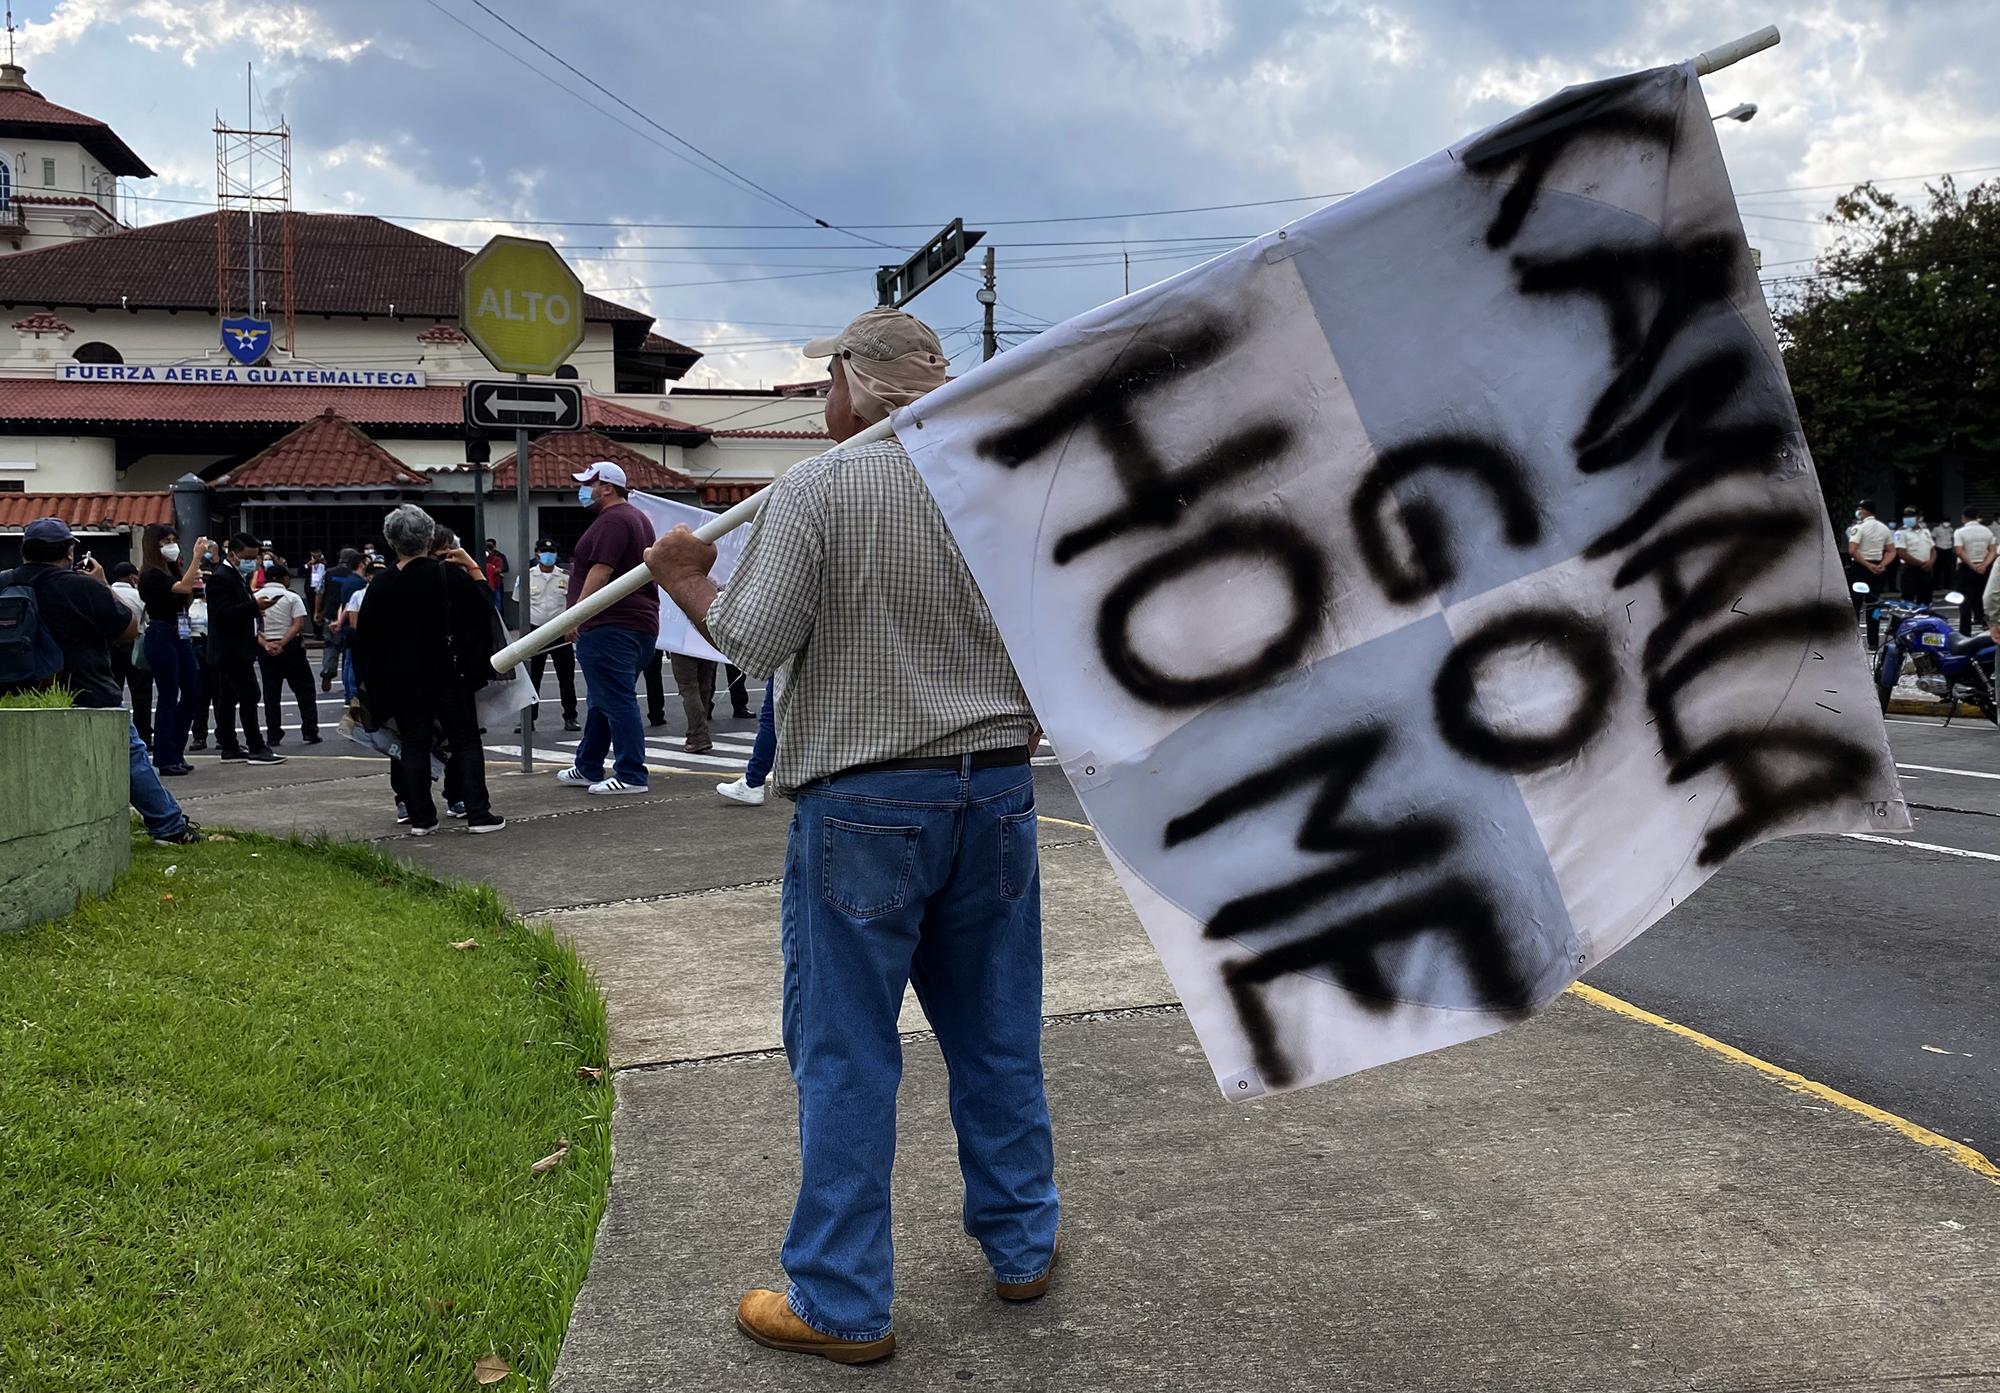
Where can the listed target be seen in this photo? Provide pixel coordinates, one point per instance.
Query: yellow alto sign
(521, 306)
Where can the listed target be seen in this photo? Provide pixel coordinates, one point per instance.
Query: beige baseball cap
(881, 335)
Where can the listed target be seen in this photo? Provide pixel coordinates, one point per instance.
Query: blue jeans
(927, 877)
(611, 659)
(157, 809)
(177, 688)
(764, 750)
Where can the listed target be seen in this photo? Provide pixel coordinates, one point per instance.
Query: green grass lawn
(263, 1126)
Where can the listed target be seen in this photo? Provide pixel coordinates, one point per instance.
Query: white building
(115, 383)
(59, 169)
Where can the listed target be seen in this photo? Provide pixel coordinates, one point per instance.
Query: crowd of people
(220, 634)
(60, 619)
(1919, 559)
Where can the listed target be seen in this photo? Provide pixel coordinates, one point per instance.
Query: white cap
(604, 471)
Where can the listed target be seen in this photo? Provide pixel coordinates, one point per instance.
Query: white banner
(1427, 597)
(677, 635)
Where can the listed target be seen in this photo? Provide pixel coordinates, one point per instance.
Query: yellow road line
(1066, 822)
(1798, 1083)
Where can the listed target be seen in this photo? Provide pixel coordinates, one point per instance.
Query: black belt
(981, 759)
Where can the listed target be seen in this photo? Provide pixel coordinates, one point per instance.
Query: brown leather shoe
(1029, 1291)
(767, 1318)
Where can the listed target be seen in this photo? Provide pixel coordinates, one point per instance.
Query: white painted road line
(1938, 769)
(1921, 846)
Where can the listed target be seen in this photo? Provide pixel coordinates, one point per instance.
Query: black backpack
(29, 653)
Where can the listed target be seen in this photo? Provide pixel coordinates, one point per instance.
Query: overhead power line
(671, 134)
(645, 225)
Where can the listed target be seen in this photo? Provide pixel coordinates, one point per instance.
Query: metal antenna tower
(253, 221)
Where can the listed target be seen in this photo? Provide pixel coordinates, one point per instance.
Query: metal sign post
(521, 577)
(523, 308)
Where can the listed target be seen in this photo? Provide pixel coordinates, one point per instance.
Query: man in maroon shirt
(612, 647)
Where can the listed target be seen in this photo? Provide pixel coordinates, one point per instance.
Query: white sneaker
(574, 777)
(606, 788)
(740, 791)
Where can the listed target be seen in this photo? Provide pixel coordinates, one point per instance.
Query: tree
(1893, 343)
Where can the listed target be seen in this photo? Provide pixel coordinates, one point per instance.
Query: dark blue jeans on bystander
(927, 877)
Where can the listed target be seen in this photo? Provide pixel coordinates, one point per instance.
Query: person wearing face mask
(167, 585)
(1871, 550)
(613, 647)
(233, 612)
(1918, 555)
(547, 594)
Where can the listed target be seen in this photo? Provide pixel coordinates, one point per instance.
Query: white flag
(1429, 596)
(677, 633)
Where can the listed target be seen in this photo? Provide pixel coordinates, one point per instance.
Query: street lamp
(1742, 111)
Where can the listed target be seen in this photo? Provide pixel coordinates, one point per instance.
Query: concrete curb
(1899, 706)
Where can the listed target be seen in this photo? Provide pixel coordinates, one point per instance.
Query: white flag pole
(1735, 51)
(553, 632)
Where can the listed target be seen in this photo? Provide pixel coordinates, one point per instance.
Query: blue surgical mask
(547, 558)
(1909, 522)
(584, 494)
(248, 568)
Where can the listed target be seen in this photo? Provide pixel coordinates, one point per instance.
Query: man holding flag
(903, 739)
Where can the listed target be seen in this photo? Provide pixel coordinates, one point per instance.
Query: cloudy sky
(1063, 127)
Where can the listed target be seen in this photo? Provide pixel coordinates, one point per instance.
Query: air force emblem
(247, 340)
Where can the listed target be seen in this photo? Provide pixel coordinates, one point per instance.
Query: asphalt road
(1870, 966)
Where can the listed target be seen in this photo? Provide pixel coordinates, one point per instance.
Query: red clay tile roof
(660, 343)
(25, 112)
(751, 433)
(442, 333)
(57, 200)
(326, 452)
(44, 402)
(343, 264)
(554, 458)
(715, 495)
(86, 512)
(41, 322)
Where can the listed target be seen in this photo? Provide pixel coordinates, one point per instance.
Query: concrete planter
(65, 829)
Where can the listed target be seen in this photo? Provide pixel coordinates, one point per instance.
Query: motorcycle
(1949, 666)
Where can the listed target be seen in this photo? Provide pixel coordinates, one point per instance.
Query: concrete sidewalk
(1585, 1202)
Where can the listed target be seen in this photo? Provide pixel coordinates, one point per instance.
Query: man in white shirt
(139, 680)
(281, 643)
(1973, 541)
(548, 589)
(1919, 554)
(1871, 547)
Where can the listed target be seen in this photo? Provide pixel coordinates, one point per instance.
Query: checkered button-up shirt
(851, 576)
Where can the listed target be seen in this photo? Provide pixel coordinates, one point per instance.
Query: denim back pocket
(1017, 854)
(864, 870)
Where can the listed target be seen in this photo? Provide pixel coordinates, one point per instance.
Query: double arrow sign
(506, 406)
